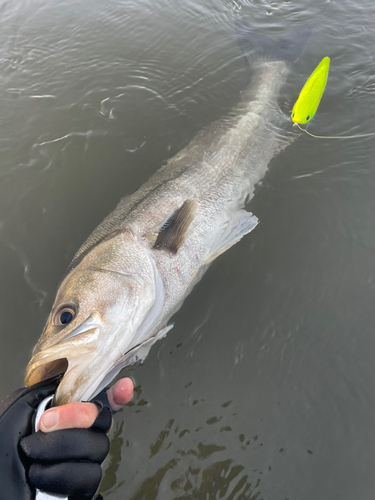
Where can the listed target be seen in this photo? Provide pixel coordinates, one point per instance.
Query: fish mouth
(38, 372)
(51, 362)
(69, 357)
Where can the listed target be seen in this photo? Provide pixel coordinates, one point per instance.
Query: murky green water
(264, 389)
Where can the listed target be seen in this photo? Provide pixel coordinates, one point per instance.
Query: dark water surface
(264, 389)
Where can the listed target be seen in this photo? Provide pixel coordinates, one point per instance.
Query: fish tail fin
(288, 48)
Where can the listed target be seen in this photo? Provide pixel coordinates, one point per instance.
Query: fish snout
(63, 355)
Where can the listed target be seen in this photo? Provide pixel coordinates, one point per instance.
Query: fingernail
(50, 419)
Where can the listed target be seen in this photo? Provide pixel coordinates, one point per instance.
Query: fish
(134, 271)
(309, 98)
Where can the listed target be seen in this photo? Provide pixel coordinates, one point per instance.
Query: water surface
(264, 388)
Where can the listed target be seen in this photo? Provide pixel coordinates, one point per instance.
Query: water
(264, 388)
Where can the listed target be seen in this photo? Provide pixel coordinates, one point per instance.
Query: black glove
(65, 462)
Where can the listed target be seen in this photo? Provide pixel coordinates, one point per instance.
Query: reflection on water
(198, 471)
(221, 480)
(264, 388)
(110, 479)
(200, 465)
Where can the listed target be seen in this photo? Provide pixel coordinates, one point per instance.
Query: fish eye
(308, 117)
(292, 115)
(64, 315)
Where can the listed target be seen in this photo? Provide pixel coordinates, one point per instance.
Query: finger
(78, 415)
(66, 446)
(120, 394)
(83, 415)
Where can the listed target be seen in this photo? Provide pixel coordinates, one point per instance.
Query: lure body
(311, 94)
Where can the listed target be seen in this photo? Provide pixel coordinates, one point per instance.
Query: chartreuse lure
(309, 98)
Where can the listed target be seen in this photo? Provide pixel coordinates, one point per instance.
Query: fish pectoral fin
(240, 224)
(173, 232)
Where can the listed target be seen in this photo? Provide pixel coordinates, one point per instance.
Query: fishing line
(334, 136)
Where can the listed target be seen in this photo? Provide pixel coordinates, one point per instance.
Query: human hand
(83, 415)
(65, 461)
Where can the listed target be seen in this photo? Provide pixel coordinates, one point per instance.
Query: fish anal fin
(240, 224)
(173, 232)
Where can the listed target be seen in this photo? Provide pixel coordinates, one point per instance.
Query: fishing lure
(309, 98)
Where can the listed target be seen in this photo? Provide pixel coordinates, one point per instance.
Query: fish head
(100, 306)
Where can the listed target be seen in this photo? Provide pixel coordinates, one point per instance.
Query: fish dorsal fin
(173, 232)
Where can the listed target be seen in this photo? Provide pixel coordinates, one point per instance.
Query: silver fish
(136, 268)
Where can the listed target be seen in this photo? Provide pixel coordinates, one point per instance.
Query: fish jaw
(61, 357)
(81, 378)
(57, 360)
